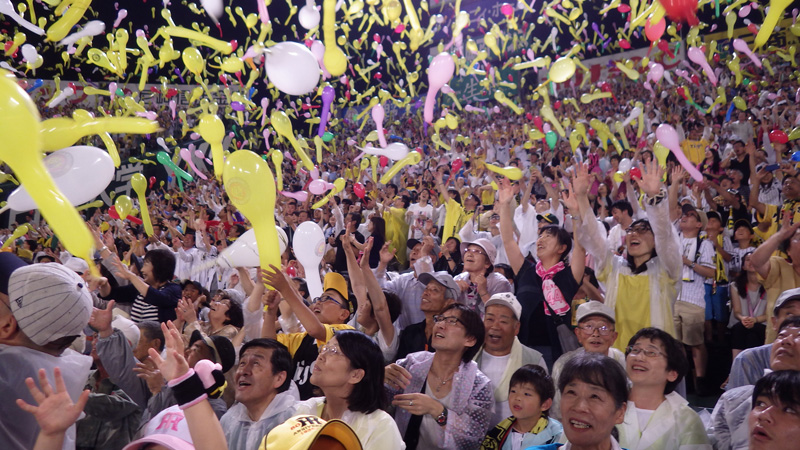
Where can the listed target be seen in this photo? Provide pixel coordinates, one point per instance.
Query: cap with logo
(595, 308)
(508, 300)
(302, 432)
(443, 278)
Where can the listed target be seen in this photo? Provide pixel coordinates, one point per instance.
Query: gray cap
(508, 300)
(443, 278)
(595, 308)
(787, 296)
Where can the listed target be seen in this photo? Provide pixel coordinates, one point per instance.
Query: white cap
(78, 265)
(168, 428)
(508, 300)
(49, 301)
(127, 327)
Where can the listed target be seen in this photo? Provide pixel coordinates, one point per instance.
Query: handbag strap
(558, 320)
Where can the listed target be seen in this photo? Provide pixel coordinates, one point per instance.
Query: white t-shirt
(419, 214)
(431, 432)
(494, 367)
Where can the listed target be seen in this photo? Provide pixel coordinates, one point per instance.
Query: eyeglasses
(639, 228)
(589, 329)
(647, 352)
(330, 349)
(495, 217)
(450, 320)
(327, 298)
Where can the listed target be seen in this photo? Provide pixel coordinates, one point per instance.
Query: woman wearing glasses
(443, 401)
(658, 418)
(349, 372)
(642, 286)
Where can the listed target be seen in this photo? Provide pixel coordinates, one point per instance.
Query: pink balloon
(741, 46)
(300, 196)
(656, 71)
(669, 138)
(317, 187)
(698, 57)
(186, 155)
(507, 9)
(656, 30)
(377, 116)
(440, 71)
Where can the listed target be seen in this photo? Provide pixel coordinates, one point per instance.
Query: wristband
(656, 199)
(188, 389)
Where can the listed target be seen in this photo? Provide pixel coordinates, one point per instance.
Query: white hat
(127, 327)
(595, 308)
(77, 264)
(485, 244)
(508, 300)
(49, 301)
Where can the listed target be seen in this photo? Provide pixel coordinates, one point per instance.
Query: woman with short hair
(349, 372)
(443, 401)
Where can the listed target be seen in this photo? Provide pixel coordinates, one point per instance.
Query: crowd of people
(460, 309)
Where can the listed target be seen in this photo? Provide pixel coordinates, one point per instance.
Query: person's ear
(619, 415)
(547, 404)
(280, 378)
(356, 375)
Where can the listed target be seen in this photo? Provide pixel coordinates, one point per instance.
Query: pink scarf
(552, 294)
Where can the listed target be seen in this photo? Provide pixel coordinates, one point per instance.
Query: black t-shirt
(340, 264)
(537, 328)
(412, 339)
(743, 167)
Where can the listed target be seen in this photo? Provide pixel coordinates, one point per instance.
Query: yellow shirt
(695, 151)
(292, 341)
(782, 277)
(397, 231)
(632, 311)
(453, 220)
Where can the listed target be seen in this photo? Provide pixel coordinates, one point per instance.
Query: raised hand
(580, 180)
(650, 183)
(175, 364)
(505, 194)
(54, 411)
(277, 279)
(100, 319)
(387, 254)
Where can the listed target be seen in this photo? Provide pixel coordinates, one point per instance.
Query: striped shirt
(693, 290)
(142, 311)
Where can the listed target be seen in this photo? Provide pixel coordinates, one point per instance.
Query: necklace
(442, 382)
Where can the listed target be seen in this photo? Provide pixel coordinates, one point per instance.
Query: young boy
(530, 396)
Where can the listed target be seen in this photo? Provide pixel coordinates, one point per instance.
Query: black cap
(221, 348)
(9, 262)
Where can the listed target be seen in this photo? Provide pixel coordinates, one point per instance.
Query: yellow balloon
(334, 58)
(510, 172)
(212, 130)
(277, 161)
(411, 158)
(62, 132)
(618, 177)
(251, 188)
(661, 153)
(193, 60)
(69, 19)
(20, 231)
(740, 103)
(22, 151)
(208, 41)
(562, 70)
(393, 9)
(123, 205)
(776, 8)
(139, 185)
(283, 126)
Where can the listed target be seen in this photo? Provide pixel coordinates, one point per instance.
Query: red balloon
(636, 173)
(681, 10)
(624, 44)
(358, 189)
(778, 136)
(557, 105)
(716, 57)
(456, 166)
(135, 220)
(152, 182)
(695, 79)
(605, 87)
(656, 30)
(529, 116)
(113, 212)
(537, 121)
(383, 161)
(664, 47)
(291, 271)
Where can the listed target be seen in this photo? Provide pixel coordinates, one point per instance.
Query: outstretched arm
(505, 196)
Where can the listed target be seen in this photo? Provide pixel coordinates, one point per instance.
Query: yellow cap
(336, 282)
(301, 432)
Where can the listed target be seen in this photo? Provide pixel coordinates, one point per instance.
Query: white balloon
(292, 68)
(244, 252)
(308, 16)
(309, 246)
(624, 165)
(213, 8)
(81, 173)
(394, 151)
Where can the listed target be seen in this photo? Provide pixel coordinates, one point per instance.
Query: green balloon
(746, 81)
(551, 137)
(327, 136)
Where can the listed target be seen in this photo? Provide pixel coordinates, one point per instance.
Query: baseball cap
(221, 347)
(685, 209)
(168, 428)
(77, 265)
(336, 282)
(485, 244)
(443, 278)
(508, 300)
(127, 327)
(742, 223)
(787, 296)
(411, 243)
(302, 432)
(549, 218)
(49, 302)
(595, 308)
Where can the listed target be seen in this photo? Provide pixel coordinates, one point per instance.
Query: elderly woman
(657, 417)
(225, 317)
(478, 282)
(443, 401)
(594, 395)
(349, 371)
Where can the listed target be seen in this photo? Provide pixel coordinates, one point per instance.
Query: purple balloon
(237, 106)
(328, 95)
